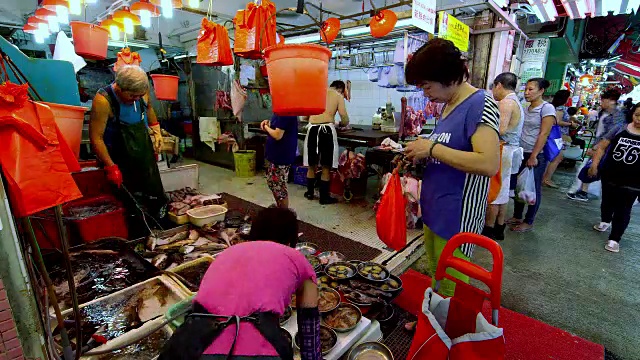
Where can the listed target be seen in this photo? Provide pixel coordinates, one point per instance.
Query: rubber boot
(498, 232)
(489, 232)
(325, 197)
(311, 189)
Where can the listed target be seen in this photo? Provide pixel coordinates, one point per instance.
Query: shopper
(119, 131)
(321, 143)
(462, 152)
(280, 152)
(610, 117)
(539, 117)
(254, 279)
(620, 173)
(563, 120)
(511, 121)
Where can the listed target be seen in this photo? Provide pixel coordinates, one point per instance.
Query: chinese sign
(535, 50)
(450, 28)
(530, 70)
(424, 15)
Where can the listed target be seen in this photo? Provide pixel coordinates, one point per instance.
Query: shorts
(277, 176)
(321, 146)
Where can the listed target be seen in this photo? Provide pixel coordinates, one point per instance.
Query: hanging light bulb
(125, 17)
(167, 8)
(145, 10)
(50, 17)
(194, 4)
(75, 7)
(42, 25)
(60, 7)
(113, 27)
(90, 1)
(39, 37)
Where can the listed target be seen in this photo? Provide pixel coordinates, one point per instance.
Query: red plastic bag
(127, 57)
(38, 177)
(391, 219)
(213, 46)
(255, 29)
(496, 181)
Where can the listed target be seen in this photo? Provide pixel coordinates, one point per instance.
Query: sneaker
(578, 196)
(602, 227)
(612, 246)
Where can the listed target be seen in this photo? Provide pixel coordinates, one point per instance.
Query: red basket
(110, 224)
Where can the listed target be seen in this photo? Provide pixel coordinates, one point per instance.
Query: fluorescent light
(167, 8)
(63, 14)
(118, 43)
(145, 18)
(576, 9)
(75, 7)
(194, 4)
(632, 6)
(550, 9)
(53, 23)
(303, 39)
(39, 36)
(365, 29)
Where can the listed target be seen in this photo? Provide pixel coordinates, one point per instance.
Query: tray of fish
(145, 349)
(99, 269)
(193, 272)
(124, 311)
(188, 198)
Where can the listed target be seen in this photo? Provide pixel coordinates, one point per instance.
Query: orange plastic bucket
(69, 120)
(298, 78)
(165, 86)
(90, 40)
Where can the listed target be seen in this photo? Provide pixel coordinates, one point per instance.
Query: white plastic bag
(526, 187)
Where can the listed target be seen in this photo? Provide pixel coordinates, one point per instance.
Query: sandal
(522, 229)
(550, 184)
(513, 222)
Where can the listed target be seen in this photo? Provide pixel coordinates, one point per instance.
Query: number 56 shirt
(622, 163)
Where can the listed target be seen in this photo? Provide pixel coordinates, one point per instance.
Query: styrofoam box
(180, 177)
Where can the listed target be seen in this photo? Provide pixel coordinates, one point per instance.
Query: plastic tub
(298, 78)
(89, 40)
(69, 119)
(206, 215)
(109, 224)
(165, 86)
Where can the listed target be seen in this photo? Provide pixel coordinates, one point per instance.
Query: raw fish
(202, 241)
(175, 245)
(193, 235)
(160, 261)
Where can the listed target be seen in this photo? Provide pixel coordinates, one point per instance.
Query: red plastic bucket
(165, 86)
(69, 119)
(90, 40)
(109, 224)
(298, 78)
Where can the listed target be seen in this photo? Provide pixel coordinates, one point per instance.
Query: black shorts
(321, 141)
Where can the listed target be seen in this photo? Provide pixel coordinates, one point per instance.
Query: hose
(64, 241)
(138, 338)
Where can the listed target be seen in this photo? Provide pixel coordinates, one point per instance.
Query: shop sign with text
(424, 15)
(450, 28)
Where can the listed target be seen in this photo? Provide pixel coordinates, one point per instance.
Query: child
(282, 143)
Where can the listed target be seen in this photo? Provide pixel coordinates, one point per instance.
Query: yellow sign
(450, 28)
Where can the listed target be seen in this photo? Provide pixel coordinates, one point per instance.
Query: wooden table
(358, 136)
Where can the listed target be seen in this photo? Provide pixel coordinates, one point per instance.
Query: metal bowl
(341, 306)
(326, 330)
(341, 270)
(384, 273)
(315, 262)
(307, 248)
(370, 351)
(391, 289)
(329, 257)
(288, 311)
(335, 293)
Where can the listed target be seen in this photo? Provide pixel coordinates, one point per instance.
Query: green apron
(131, 149)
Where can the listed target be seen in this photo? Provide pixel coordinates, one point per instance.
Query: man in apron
(121, 121)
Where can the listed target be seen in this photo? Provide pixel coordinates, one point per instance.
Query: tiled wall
(10, 347)
(366, 96)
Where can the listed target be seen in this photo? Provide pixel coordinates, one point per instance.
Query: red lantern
(382, 23)
(330, 29)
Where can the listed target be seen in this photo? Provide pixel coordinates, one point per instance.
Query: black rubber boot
(498, 232)
(489, 232)
(325, 197)
(311, 189)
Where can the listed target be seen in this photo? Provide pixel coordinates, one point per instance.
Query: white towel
(209, 131)
(64, 50)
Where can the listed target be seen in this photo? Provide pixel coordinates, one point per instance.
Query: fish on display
(160, 261)
(176, 245)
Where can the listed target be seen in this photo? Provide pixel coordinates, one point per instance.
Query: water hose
(67, 351)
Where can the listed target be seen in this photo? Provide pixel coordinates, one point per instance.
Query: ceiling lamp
(42, 25)
(75, 7)
(145, 10)
(382, 23)
(125, 17)
(50, 17)
(167, 6)
(113, 26)
(330, 29)
(61, 7)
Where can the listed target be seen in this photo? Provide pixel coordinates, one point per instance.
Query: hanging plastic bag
(213, 46)
(391, 218)
(32, 162)
(373, 74)
(495, 183)
(526, 187)
(255, 29)
(127, 57)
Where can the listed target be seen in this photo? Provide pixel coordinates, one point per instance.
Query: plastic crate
(109, 224)
(300, 175)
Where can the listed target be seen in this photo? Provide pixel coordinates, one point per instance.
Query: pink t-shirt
(258, 276)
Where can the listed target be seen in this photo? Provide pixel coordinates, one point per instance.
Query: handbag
(555, 143)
